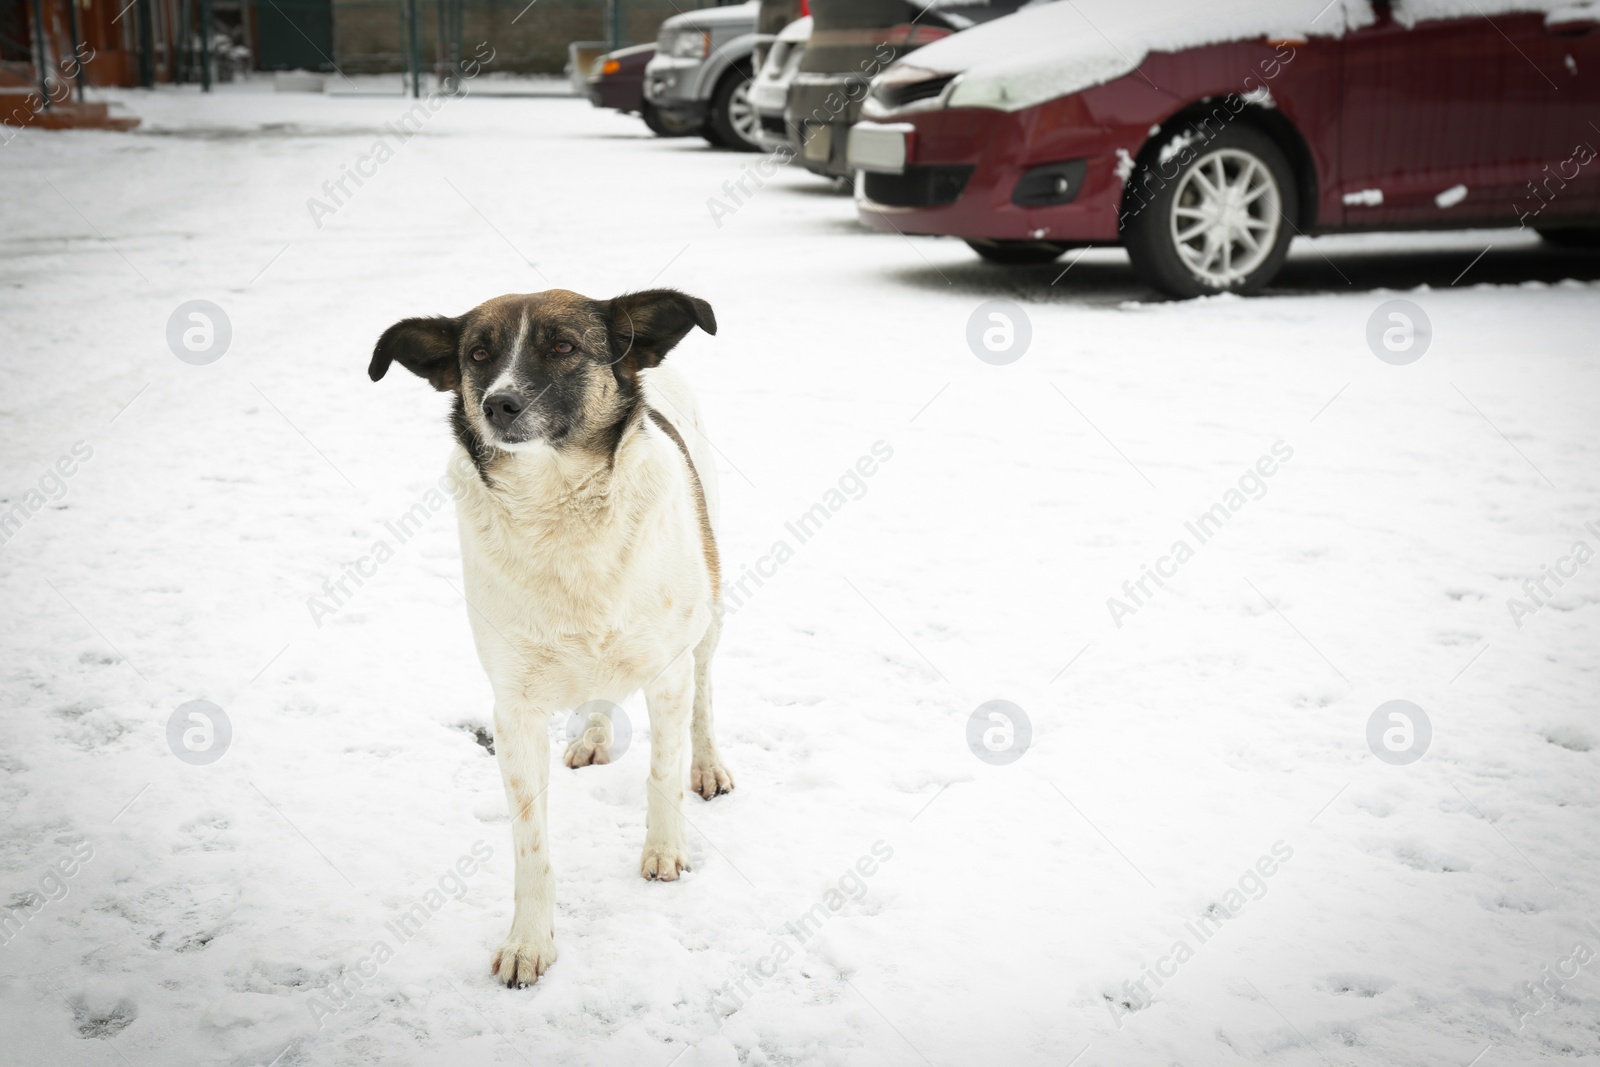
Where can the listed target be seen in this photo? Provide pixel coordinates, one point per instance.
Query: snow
(884, 896)
(1059, 48)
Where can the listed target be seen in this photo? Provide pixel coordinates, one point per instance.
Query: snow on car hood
(1410, 12)
(705, 18)
(1048, 51)
(1054, 49)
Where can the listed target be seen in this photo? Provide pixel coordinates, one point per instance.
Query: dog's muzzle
(502, 409)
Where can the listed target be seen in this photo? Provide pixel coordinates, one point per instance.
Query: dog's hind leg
(671, 701)
(707, 775)
(522, 748)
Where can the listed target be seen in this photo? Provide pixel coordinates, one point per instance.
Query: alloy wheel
(742, 114)
(1225, 216)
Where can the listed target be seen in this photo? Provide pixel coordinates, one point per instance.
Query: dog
(588, 549)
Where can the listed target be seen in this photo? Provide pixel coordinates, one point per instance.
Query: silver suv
(700, 75)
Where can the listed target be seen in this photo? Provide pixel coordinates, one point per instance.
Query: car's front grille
(894, 97)
(919, 186)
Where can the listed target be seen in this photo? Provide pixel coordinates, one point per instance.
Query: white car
(769, 92)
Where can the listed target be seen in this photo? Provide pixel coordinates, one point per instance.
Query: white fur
(587, 580)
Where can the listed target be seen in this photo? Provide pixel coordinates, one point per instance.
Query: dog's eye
(562, 348)
(480, 353)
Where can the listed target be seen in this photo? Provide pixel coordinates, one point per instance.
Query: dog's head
(551, 368)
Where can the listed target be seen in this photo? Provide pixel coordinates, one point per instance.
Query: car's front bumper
(770, 98)
(673, 84)
(620, 91)
(821, 109)
(960, 177)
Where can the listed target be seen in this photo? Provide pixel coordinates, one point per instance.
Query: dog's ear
(425, 347)
(646, 326)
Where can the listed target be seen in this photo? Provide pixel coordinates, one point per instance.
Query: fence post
(77, 48)
(147, 44)
(416, 56)
(616, 24)
(458, 30)
(205, 45)
(44, 52)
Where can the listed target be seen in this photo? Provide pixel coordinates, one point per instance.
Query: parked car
(617, 81)
(850, 42)
(769, 92)
(700, 74)
(773, 17)
(583, 58)
(1203, 140)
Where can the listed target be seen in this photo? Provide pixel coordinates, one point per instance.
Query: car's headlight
(690, 44)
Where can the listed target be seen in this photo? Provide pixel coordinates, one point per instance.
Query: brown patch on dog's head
(554, 367)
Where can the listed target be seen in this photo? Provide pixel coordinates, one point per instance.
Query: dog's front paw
(710, 778)
(521, 961)
(663, 863)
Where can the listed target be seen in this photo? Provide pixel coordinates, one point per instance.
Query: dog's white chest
(578, 600)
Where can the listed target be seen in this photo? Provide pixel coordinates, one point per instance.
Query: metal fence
(376, 35)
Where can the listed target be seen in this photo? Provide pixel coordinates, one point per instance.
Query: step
(15, 110)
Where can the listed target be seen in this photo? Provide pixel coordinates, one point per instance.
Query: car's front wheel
(661, 125)
(733, 121)
(1221, 224)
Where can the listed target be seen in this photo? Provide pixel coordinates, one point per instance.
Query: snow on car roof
(1053, 49)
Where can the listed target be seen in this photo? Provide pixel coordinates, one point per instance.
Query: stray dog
(588, 551)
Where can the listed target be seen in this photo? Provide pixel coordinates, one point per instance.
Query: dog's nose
(502, 409)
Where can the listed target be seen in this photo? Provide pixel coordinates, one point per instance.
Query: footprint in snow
(104, 1020)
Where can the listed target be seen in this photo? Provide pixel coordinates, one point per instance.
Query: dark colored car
(1028, 137)
(852, 41)
(618, 83)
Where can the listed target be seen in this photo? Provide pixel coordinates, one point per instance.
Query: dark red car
(618, 82)
(1204, 137)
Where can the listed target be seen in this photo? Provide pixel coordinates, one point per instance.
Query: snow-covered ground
(1200, 773)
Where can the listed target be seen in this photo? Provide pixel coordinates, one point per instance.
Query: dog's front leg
(671, 701)
(522, 747)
